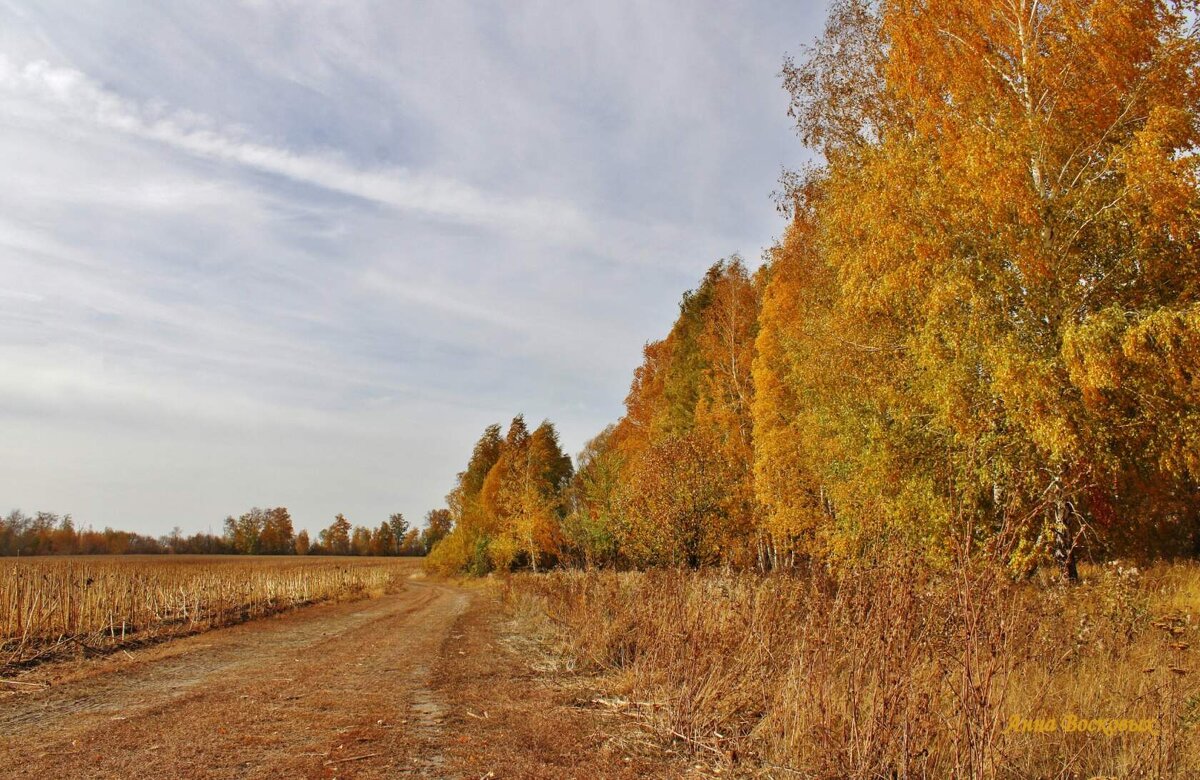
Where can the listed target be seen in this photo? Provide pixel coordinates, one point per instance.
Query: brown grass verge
(895, 671)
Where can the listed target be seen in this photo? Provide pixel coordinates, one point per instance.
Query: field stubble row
(50, 607)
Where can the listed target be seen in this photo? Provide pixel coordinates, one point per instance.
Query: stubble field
(53, 607)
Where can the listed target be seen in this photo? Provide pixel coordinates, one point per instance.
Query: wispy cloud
(302, 252)
(377, 282)
(81, 98)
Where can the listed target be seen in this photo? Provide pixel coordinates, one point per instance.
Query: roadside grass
(895, 671)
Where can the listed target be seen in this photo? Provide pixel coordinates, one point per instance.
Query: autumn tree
(466, 548)
(360, 541)
(64, 538)
(693, 393)
(804, 382)
(438, 523)
(245, 532)
(723, 419)
(399, 529)
(592, 524)
(382, 540)
(336, 538)
(508, 505)
(676, 508)
(411, 543)
(277, 534)
(1001, 242)
(522, 495)
(302, 543)
(548, 472)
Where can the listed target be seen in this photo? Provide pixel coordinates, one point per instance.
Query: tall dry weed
(897, 670)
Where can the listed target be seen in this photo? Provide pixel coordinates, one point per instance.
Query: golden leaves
(1004, 275)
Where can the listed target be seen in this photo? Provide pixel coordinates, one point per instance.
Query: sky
(301, 252)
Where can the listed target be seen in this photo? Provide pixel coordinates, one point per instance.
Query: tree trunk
(1064, 539)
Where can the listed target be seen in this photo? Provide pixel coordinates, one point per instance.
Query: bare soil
(426, 682)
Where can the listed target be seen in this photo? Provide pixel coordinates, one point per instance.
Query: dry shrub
(895, 670)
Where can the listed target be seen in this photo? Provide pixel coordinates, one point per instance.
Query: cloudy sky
(300, 252)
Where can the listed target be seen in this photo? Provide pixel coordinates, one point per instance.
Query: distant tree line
(257, 532)
(46, 533)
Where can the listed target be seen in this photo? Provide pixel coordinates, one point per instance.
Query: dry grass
(53, 606)
(895, 672)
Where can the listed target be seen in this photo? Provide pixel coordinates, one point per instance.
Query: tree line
(981, 329)
(257, 532)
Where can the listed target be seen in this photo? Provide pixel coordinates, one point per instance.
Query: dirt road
(412, 684)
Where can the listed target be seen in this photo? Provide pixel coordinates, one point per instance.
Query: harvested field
(50, 607)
